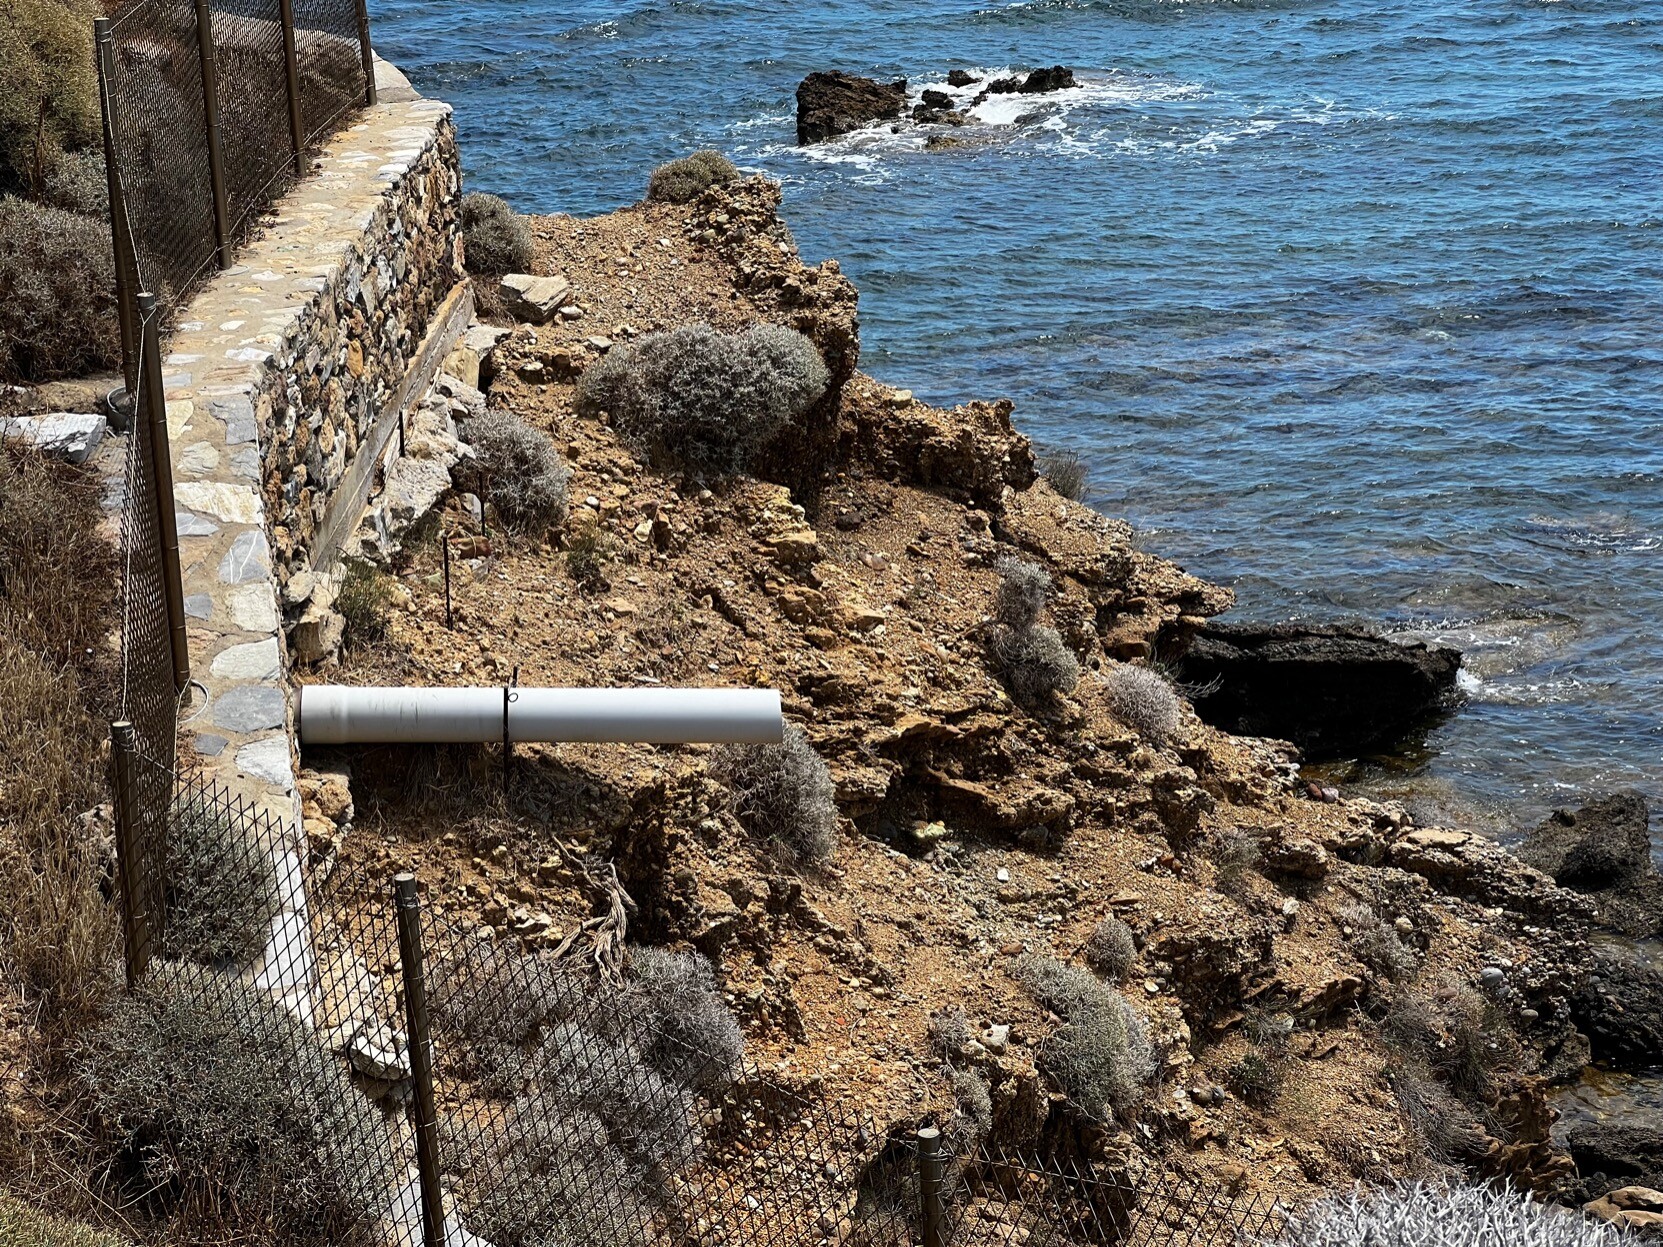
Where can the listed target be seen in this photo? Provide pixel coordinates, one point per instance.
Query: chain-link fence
(210, 108)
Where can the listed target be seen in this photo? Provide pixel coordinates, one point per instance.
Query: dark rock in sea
(1057, 78)
(833, 103)
(1334, 692)
(1631, 1153)
(1004, 86)
(1620, 1008)
(961, 78)
(1604, 851)
(924, 115)
(937, 99)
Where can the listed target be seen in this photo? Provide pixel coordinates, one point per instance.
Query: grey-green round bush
(1036, 663)
(679, 1020)
(221, 889)
(1101, 1056)
(682, 181)
(1142, 699)
(57, 294)
(520, 470)
(1066, 472)
(1429, 1216)
(1111, 950)
(704, 402)
(79, 183)
(1024, 589)
(202, 1089)
(495, 239)
(783, 793)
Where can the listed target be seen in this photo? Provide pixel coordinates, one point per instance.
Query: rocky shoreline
(1337, 993)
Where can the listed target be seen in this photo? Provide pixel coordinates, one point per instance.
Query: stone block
(62, 434)
(534, 300)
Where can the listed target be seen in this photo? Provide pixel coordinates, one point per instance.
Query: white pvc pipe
(332, 714)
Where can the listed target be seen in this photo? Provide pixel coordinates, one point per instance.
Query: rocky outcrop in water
(1334, 692)
(1620, 1009)
(1621, 1151)
(833, 103)
(1603, 850)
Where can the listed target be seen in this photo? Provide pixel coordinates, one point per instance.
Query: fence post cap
(928, 1134)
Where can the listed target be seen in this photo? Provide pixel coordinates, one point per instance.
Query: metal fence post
(121, 233)
(161, 474)
(291, 63)
(130, 863)
(367, 50)
(210, 124)
(408, 908)
(931, 1165)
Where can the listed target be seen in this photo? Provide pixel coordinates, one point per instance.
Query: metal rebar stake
(135, 917)
(931, 1165)
(408, 910)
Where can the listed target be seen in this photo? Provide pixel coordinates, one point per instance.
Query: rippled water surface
(1355, 307)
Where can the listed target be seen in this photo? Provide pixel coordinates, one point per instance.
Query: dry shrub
(1144, 701)
(221, 888)
(1033, 659)
(1376, 944)
(1112, 949)
(210, 1102)
(57, 294)
(589, 551)
(704, 402)
(1101, 1057)
(1066, 473)
(495, 239)
(1429, 1216)
(365, 601)
(519, 470)
(79, 183)
(682, 181)
(974, 1119)
(1024, 590)
(950, 1030)
(50, 101)
(678, 1019)
(782, 793)
(23, 1226)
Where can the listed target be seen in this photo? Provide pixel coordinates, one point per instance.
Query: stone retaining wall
(285, 380)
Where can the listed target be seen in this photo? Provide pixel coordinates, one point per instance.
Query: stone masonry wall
(283, 381)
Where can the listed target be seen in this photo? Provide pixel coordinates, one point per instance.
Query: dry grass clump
(495, 239)
(1033, 658)
(50, 102)
(212, 1104)
(682, 181)
(782, 793)
(221, 888)
(950, 1030)
(1235, 856)
(1143, 700)
(1101, 1057)
(973, 1120)
(1112, 949)
(23, 1226)
(589, 552)
(1430, 1216)
(519, 470)
(703, 402)
(1066, 473)
(679, 1020)
(365, 601)
(57, 294)
(1376, 943)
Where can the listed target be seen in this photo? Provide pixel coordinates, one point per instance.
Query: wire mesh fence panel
(161, 142)
(253, 105)
(331, 62)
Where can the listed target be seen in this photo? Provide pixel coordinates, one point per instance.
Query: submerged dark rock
(961, 78)
(1057, 78)
(1334, 692)
(1620, 1008)
(1623, 1151)
(1603, 850)
(834, 103)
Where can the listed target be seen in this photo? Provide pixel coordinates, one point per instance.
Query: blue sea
(1356, 307)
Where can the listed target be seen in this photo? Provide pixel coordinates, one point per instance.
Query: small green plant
(365, 601)
(520, 470)
(1257, 1076)
(495, 239)
(23, 1226)
(1066, 473)
(700, 401)
(783, 793)
(682, 181)
(1101, 1056)
(58, 316)
(1430, 1216)
(1143, 700)
(589, 551)
(1112, 949)
(206, 1095)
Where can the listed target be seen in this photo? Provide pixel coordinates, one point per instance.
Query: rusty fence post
(211, 127)
(408, 909)
(130, 863)
(121, 233)
(291, 65)
(931, 1166)
(367, 51)
(161, 475)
